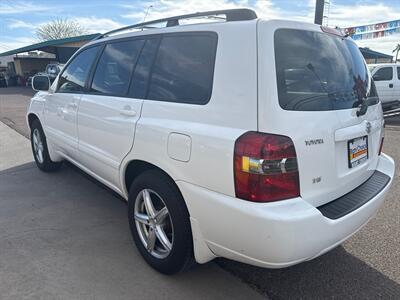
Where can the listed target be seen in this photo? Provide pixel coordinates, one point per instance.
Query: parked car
(255, 140)
(52, 70)
(387, 82)
(3, 81)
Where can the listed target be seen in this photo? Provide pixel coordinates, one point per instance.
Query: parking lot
(64, 235)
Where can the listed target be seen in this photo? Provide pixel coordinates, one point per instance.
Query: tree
(59, 29)
(397, 50)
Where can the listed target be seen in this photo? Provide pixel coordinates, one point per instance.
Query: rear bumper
(273, 235)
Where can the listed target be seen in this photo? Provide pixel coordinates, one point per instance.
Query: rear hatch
(315, 88)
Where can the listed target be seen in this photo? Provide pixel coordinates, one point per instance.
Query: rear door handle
(391, 85)
(127, 113)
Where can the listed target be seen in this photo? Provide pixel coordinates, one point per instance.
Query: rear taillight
(381, 146)
(265, 167)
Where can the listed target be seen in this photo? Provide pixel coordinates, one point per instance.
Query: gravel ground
(367, 266)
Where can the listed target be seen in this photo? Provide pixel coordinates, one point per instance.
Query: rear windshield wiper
(363, 107)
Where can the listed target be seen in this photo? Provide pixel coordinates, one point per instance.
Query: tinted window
(114, 69)
(398, 72)
(318, 72)
(384, 74)
(74, 76)
(183, 69)
(142, 71)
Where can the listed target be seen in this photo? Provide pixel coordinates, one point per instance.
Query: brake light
(265, 167)
(381, 146)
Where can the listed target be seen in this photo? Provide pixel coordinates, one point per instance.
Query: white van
(387, 82)
(255, 140)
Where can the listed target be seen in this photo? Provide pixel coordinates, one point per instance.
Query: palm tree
(396, 49)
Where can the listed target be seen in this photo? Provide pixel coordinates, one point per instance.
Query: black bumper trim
(356, 198)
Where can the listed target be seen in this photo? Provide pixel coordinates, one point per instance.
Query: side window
(184, 68)
(73, 78)
(383, 74)
(398, 72)
(141, 74)
(115, 66)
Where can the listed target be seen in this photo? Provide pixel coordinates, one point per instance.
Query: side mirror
(40, 83)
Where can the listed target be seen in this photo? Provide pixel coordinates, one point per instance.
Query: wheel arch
(31, 118)
(133, 169)
(136, 167)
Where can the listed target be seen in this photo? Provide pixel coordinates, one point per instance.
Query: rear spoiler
(333, 31)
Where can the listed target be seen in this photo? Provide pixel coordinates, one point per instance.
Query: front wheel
(40, 150)
(159, 223)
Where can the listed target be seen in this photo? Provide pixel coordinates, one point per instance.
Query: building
(374, 57)
(31, 63)
(4, 60)
(34, 58)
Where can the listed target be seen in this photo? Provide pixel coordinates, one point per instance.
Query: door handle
(127, 112)
(391, 85)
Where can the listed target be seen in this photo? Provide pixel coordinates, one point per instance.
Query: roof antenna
(147, 12)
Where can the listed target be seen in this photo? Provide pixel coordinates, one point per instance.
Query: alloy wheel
(38, 147)
(153, 223)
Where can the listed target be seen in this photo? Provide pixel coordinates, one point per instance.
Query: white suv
(259, 141)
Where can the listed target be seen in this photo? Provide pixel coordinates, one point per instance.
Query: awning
(52, 45)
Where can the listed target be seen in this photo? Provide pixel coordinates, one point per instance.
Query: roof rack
(238, 14)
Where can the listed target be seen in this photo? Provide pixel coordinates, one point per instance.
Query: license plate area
(357, 150)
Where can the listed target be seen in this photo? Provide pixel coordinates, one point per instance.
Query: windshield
(318, 72)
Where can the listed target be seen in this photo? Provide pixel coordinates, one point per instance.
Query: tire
(40, 150)
(163, 193)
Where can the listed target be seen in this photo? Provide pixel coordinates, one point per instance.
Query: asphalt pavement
(64, 233)
(14, 102)
(64, 236)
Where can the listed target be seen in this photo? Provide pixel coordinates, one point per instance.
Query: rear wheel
(40, 150)
(159, 223)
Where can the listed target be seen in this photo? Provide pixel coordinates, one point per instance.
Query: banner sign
(374, 30)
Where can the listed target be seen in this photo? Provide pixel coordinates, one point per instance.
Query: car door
(384, 82)
(107, 115)
(62, 104)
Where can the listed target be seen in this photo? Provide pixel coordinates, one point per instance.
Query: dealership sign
(373, 30)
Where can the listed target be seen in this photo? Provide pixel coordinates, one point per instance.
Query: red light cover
(265, 187)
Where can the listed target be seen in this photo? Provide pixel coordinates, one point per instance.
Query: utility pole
(319, 11)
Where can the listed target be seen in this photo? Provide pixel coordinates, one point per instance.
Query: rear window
(319, 72)
(141, 74)
(184, 68)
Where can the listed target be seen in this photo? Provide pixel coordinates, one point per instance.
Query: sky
(19, 18)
